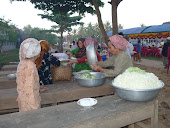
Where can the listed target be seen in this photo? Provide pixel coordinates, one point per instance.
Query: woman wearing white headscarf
(27, 76)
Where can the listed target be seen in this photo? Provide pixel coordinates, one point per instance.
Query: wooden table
(109, 112)
(61, 91)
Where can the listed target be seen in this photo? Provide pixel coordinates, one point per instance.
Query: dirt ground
(164, 96)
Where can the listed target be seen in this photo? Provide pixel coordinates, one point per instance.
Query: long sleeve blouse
(120, 62)
(44, 70)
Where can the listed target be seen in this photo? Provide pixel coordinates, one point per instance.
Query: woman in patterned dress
(27, 76)
(43, 64)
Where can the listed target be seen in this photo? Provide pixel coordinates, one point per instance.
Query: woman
(120, 59)
(43, 64)
(81, 61)
(27, 76)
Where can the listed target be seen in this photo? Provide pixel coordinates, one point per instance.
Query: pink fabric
(28, 86)
(119, 42)
(89, 40)
(27, 79)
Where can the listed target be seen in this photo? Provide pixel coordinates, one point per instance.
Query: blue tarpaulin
(157, 28)
(144, 29)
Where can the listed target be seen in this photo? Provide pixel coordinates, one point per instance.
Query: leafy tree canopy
(39, 34)
(8, 31)
(65, 6)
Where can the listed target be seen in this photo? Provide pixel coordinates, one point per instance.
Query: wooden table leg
(154, 118)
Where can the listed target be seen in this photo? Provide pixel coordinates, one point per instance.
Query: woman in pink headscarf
(83, 59)
(120, 59)
(27, 75)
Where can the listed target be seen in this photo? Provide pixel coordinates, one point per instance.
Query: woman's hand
(97, 68)
(73, 61)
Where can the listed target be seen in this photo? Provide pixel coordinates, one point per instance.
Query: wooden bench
(61, 91)
(109, 112)
(6, 83)
(5, 73)
(9, 68)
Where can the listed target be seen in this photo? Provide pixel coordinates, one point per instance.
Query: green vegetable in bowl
(135, 69)
(87, 75)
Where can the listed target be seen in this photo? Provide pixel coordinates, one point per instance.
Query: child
(27, 76)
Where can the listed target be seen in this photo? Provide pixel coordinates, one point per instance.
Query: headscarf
(29, 48)
(119, 42)
(82, 51)
(89, 40)
(44, 49)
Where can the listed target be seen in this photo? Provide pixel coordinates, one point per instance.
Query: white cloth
(73, 47)
(52, 50)
(130, 51)
(31, 47)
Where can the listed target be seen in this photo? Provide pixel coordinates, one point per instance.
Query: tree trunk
(61, 41)
(114, 17)
(100, 22)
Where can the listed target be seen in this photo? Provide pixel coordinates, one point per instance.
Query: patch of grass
(152, 58)
(9, 56)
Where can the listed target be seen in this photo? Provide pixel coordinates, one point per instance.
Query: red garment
(84, 59)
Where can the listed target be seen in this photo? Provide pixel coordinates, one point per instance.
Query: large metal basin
(137, 94)
(91, 54)
(98, 81)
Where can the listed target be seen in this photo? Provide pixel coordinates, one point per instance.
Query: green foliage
(9, 56)
(65, 6)
(120, 27)
(63, 21)
(39, 34)
(91, 30)
(7, 31)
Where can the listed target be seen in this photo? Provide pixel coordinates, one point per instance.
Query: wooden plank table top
(9, 67)
(61, 91)
(109, 112)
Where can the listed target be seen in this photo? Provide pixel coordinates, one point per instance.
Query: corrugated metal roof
(157, 28)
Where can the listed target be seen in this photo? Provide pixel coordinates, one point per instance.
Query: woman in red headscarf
(120, 59)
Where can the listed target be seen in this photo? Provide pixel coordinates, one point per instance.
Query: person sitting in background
(81, 61)
(74, 46)
(28, 86)
(165, 52)
(120, 59)
(43, 64)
